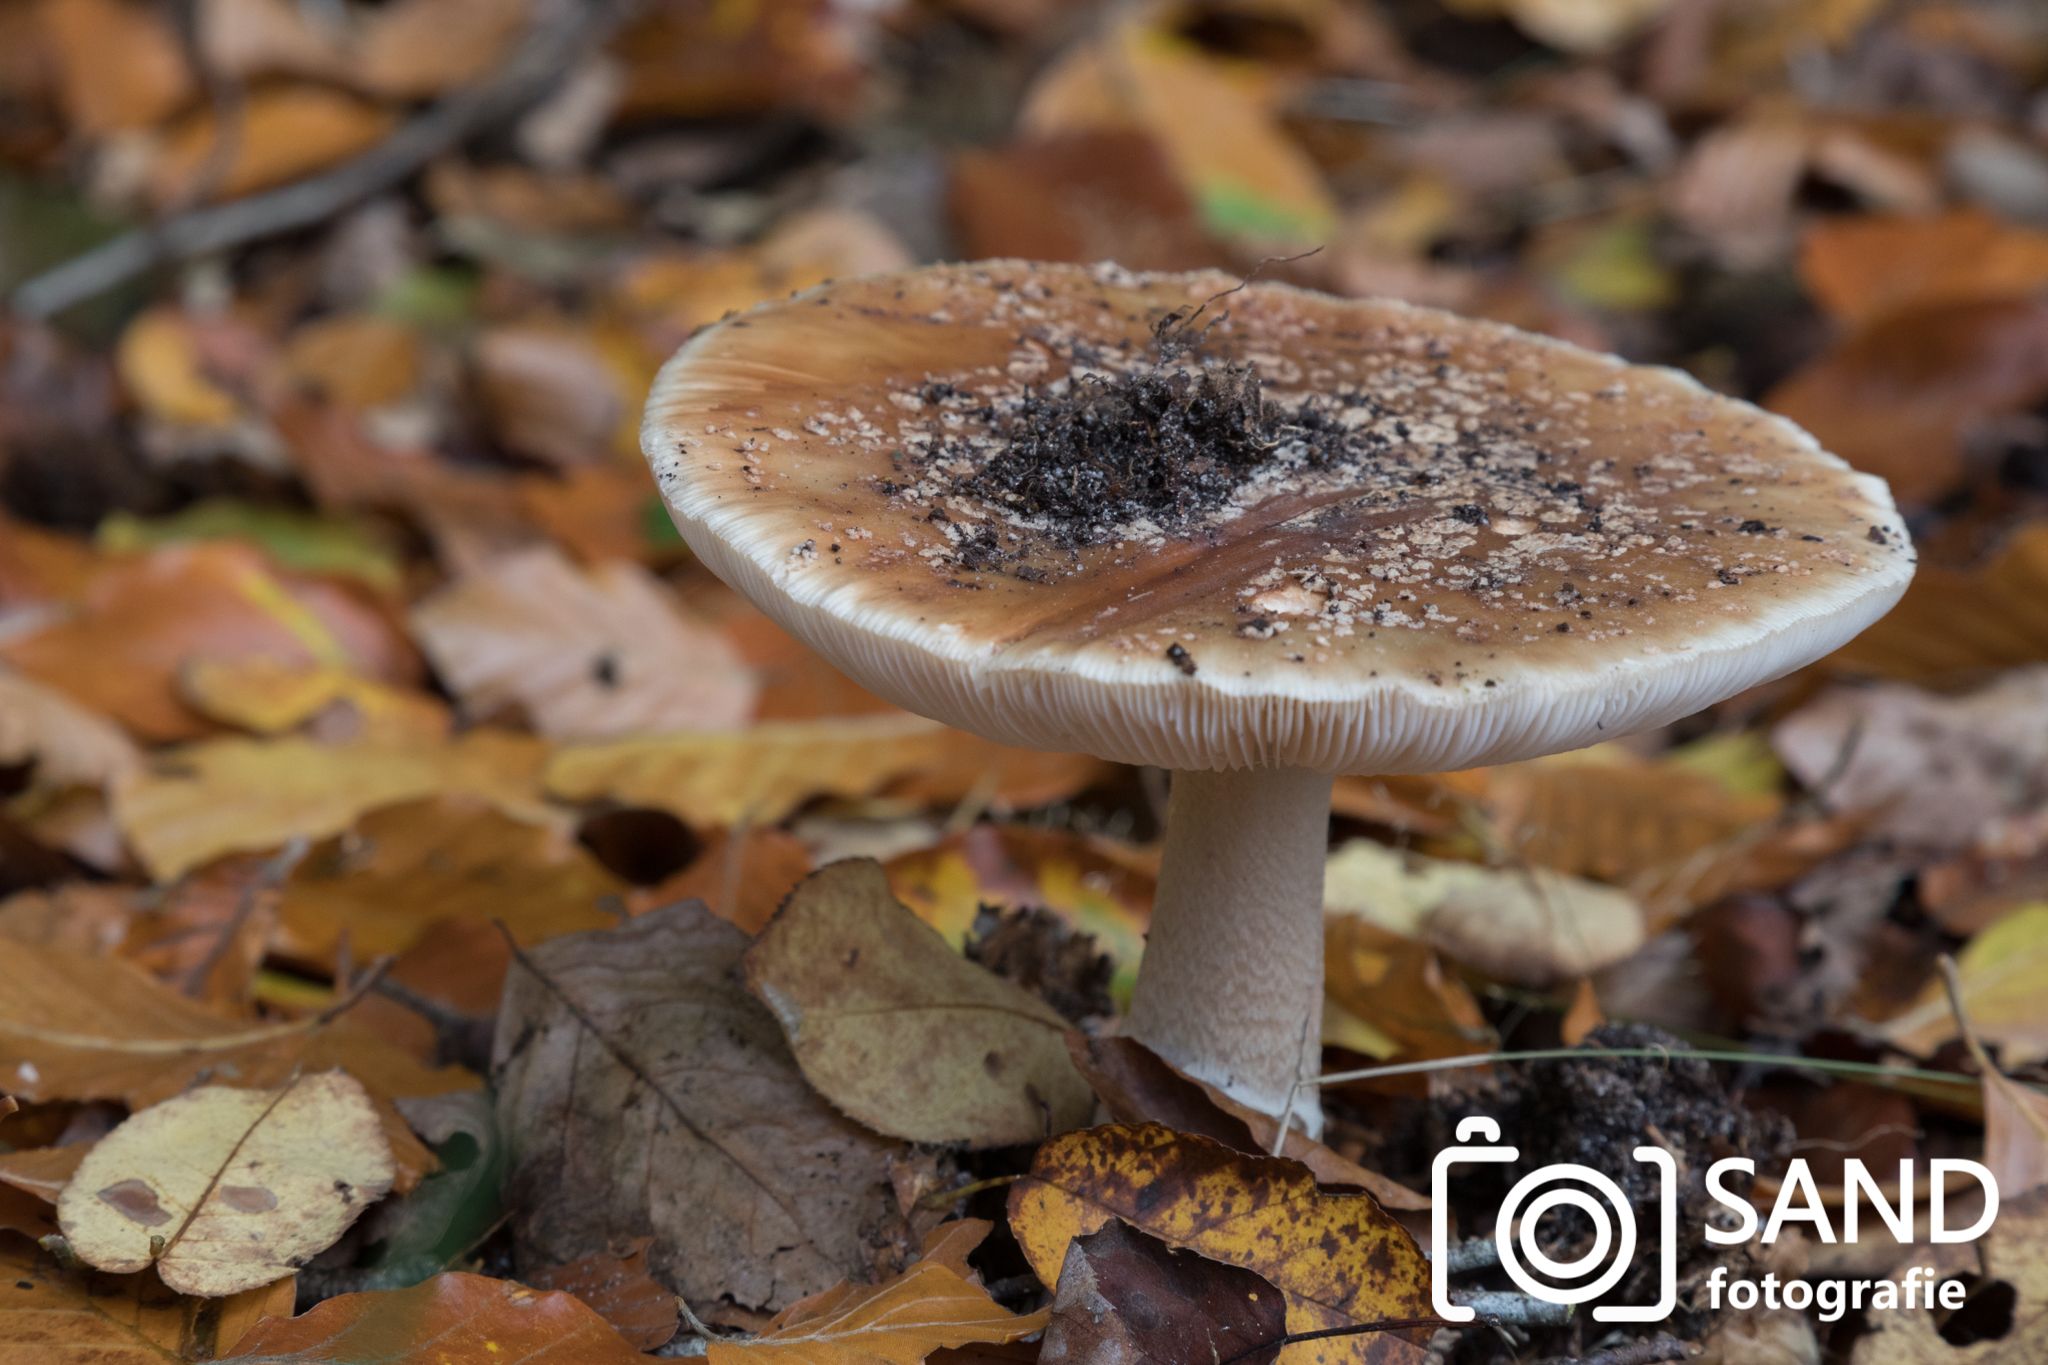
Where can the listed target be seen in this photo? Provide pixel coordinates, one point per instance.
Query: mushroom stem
(1231, 988)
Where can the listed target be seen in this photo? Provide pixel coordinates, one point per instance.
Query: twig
(946, 1198)
(1519, 1310)
(267, 879)
(1561, 1054)
(551, 46)
(1355, 1329)
(1952, 982)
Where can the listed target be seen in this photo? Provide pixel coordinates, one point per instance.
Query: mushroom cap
(1462, 543)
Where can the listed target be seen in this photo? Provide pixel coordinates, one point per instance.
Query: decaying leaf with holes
(1340, 1259)
(224, 1190)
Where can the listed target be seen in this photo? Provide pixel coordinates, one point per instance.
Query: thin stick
(552, 45)
(1560, 1054)
(1952, 982)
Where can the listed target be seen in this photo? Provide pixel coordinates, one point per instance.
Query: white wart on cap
(1466, 544)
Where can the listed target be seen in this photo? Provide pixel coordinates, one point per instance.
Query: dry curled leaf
(636, 1048)
(1340, 1259)
(225, 1190)
(457, 1317)
(587, 654)
(902, 1033)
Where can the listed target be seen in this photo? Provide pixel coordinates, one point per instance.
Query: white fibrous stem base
(1231, 987)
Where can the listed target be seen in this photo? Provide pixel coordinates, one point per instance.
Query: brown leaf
(118, 63)
(1124, 1296)
(359, 360)
(1900, 397)
(1340, 1259)
(279, 135)
(899, 1031)
(144, 620)
(78, 1317)
(64, 744)
(402, 869)
(1136, 1085)
(899, 1322)
(224, 1190)
(561, 393)
(457, 1317)
(1106, 195)
(1399, 990)
(416, 48)
(587, 654)
(1862, 268)
(618, 1286)
(1960, 623)
(636, 1049)
(2014, 1255)
(743, 875)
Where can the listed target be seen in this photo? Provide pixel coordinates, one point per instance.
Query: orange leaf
(899, 1322)
(118, 63)
(1861, 269)
(280, 135)
(450, 1317)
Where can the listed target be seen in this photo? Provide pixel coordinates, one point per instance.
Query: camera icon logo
(1576, 1280)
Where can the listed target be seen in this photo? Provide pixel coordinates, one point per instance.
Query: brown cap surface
(1443, 542)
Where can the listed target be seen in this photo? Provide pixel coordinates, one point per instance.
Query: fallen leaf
(144, 620)
(458, 1317)
(1248, 178)
(742, 874)
(402, 869)
(635, 1048)
(64, 744)
(159, 360)
(1106, 195)
(587, 654)
(763, 774)
(2010, 1263)
(1861, 268)
(442, 1221)
(416, 48)
(1900, 397)
(1137, 1085)
(1931, 772)
(2001, 972)
(195, 803)
(227, 1190)
(1125, 1296)
(899, 1322)
(118, 63)
(359, 360)
(899, 1031)
(1340, 1259)
(564, 393)
(266, 697)
(43, 1171)
(279, 135)
(1397, 993)
(618, 1286)
(1967, 622)
(83, 1027)
(2015, 1134)
(1531, 926)
(1089, 883)
(601, 512)
(79, 1317)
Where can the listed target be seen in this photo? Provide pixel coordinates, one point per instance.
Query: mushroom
(1260, 537)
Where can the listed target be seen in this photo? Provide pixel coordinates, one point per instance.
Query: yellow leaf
(2003, 971)
(403, 869)
(1339, 1259)
(762, 774)
(280, 134)
(195, 803)
(1386, 995)
(227, 1190)
(78, 1317)
(158, 360)
(899, 1322)
(1248, 177)
(270, 697)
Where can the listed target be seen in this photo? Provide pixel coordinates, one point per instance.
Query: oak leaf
(902, 1033)
(1340, 1259)
(225, 1190)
